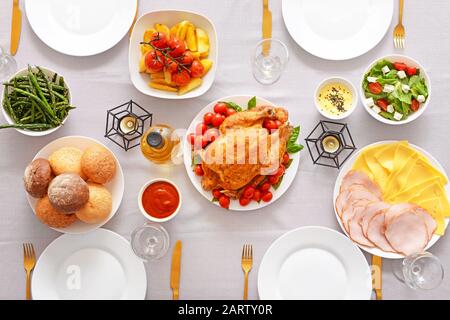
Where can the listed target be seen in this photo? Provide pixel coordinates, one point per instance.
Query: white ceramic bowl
(347, 84)
(32, 133)
(115, 186)
(410, 62)
(170, 18)
(141, 208)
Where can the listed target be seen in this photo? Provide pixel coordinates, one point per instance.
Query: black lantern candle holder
(330, 144)
(125, 124)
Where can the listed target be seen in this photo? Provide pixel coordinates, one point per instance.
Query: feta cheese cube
(421, 98)
(390, 108)
(376, 109)
(372, 79)
(398, 116)
(401, 74)
(369, 102)
(388, 88)
(385, 69)
(405, 88)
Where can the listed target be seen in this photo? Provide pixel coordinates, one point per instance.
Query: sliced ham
(350, 211)
(406, 233)
(341, 201)
(375, 232)
(372, 209)
(428, 219)
(354, 177)
(397, 209)
(354, 226)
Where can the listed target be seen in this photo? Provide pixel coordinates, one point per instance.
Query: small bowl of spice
(335, 98)
(159, 200)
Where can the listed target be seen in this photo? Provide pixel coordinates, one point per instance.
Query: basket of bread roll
(74, 184)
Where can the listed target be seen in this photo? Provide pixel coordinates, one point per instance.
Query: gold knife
(267, 26)
(16, 27)
(135, 17)
(176, 266)
(377, 276)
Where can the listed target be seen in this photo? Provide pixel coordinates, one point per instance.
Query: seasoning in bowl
(159, 200)
(335, 98)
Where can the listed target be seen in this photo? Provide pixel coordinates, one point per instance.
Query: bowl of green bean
(36, 101)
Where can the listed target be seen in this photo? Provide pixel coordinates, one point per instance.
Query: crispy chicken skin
(245, 150)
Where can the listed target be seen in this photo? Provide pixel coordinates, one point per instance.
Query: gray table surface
(212, 237)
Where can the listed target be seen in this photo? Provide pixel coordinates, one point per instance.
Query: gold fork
(247, 263)
(399, 31)
(29, 261)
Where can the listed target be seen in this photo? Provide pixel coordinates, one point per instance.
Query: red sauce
(160, 199)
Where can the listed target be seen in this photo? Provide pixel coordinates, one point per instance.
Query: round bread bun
(37, 177)
(52, 217)
(98, 207)
(67, 159)
(98, 164)
(68, 193)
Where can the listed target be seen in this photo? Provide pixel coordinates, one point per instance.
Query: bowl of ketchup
(159, 200)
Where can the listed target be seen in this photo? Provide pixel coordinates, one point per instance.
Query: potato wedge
(145, 48)
(162, 87)
(159, 75)
(167, 76)
(174, 30)
(207, 64)
(194, 83)
(191, 38)
(182, 30)
(202, 42)
(162, 28)
(196, 55)
(163, 82)
(142, 66)
(148, 34)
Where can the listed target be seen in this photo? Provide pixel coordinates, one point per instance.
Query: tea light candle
(331, 144)
(128, 124)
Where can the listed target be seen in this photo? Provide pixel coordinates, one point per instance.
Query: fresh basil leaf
(276, 185)
(196, 159)
(294, 148)
(294, 135)
(289, 163)
(251, 103)
(214, 200)
(233, 105)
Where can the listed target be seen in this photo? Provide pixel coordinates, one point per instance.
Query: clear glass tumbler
(269, 60)
(150, 241)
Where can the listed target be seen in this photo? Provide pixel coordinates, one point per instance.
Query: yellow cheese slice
(386, 156)
(433, 207)
(434, 190)
(398, 177)
(411, 191)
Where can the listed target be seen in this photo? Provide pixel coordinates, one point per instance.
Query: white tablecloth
(212, 237)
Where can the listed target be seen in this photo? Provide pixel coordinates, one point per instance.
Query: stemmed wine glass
(8, 65)
(269, 60)
(150, 241)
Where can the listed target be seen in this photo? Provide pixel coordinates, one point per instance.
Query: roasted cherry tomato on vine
(199, 170)
(200, 129)
(400, 66)
(187, 58)
(191, 138)
(265, 187)
(212, 134)
(230, 111)
(411, 71)
(224, 201)
(177, 47)
(217, 119)
(286, 158)
(171, 65)
(159, 40)
(216, 193)
(249, 191)
(266, 196)
(257, 195)
(278, 123)
(383, 104)
(207, 118)
(375, 88)
(220, 107)
(181, 78)
(273, 179)
(415, 105)
(197, 69)
(154, 61)
(270, 124)
(244, 201)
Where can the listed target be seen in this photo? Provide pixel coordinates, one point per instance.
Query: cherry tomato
(181, 78)
(266, 196)
(265, 187)
(200, 142)
(280, 171)
(197, 69)
(200, 129)
(400, 66)
(286, 158)
(154, 61)
(207, 118)
(278, 123)
(171, 65)
(249, 191)
(159, 40)
(415, 105)
(224, 201)
(212, 134)
(199, 170)
(187, 57)
(229, 112)
(217, 119)
(220, 107)
(244, 201)
(257, 195)
(382, 104)
(410, 71)
(375, 88)
(177, 47)
(191, 138)
(216, 193)
(270, 124)
(273, 179)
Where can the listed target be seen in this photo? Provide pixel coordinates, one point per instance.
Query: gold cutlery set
(29, 261)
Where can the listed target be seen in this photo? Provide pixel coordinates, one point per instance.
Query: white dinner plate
(234, 204)
(115, 186)
(81, 27)
(96, 266)
(337, 30)
(348, 166)
(314, 263)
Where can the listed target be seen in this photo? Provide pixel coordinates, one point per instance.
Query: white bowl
(170, 18)
(347, 84)
(141, 208)
(32, 133)
(115, 186)
(410, 62)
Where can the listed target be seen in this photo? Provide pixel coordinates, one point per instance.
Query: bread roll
(37, 177)
(67, 159)
(68, 193)
(98, 164)
(52, 217)
(98, 207)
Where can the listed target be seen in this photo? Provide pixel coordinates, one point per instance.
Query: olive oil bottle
(159, 144)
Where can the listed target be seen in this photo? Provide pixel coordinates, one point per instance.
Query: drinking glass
(8, 65)
(420, 271)
(150, 241)
(267, 68)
